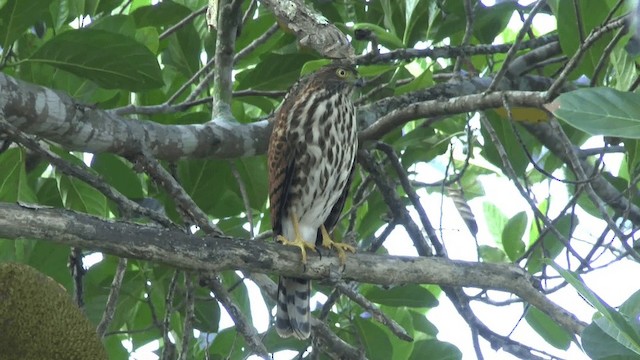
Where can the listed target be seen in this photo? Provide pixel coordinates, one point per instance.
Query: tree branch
(311, 28)
(211, 253)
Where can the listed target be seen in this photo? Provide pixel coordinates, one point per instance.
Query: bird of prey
(311, 159)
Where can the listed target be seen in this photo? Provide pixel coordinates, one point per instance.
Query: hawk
(311, 159)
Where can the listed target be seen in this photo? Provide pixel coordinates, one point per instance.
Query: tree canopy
(132, 172)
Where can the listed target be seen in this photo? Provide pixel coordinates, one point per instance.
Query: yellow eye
(341, 73)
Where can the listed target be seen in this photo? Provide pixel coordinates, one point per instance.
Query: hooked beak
(359, 82)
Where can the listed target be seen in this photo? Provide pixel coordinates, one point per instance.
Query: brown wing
(336, 210)
(281, 168)
(281, 163)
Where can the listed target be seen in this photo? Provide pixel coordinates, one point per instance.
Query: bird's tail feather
(292, 315)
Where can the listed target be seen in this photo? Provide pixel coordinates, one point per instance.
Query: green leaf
(374, 340)
(492, 254)
(548, 329)
(199, 177)
(490, 21)
(422, 81)
(111, 60)
(600, 111)
(496, 220)
(118, 174)
(183, 51)
(549, 246)
(273, 72)
(600, 346)
(612, 323)
(404, 295)
(512, 235)
(165, 13)
(16, 16)
(593, 14)
(78, 195)
(14, 185)
(509, 140)
(386, 38)
(436, 350)
(422, 324)
(207, 313)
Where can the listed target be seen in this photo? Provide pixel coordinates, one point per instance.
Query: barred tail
(292, 315)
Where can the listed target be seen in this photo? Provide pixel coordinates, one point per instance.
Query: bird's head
(337, 76)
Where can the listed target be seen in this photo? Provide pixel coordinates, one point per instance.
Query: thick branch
(182, 251)
(311, 28)
(57, 117)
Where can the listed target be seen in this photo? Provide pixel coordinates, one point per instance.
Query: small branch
(468, 11)
(448, 52)
(83, 174)
(516, 46)
(573, 63)
(77, 273)
(377, 314)
(168, 348)
(243, 326)
(398, 209)
(256, 43)
(177, 192)
(182, 22)
(187, 328)
(511, 174)
(112, 300)
(413, 197)
(228, 22)
(245, 198)
(456, 105)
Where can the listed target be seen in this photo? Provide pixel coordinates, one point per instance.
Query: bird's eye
(341, 73)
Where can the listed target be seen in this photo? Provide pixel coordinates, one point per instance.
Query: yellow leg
(340, 248)
(298, 241)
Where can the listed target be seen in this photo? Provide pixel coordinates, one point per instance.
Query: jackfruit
(38, 319)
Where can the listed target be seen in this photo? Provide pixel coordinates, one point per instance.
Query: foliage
(150, 63)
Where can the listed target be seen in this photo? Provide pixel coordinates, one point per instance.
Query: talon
(340, 248)
(298, 241)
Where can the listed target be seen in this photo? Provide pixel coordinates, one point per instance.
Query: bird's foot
(299, 243)
(341, 249)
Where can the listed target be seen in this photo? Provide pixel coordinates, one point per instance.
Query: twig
(605, 56)
(593, 196)
(182, 22)
(468, 11)
(187, 328)
(516, 46)
(573, 62)
(112, 300)
(77, 272)
(83, 174)
(168, 350)
(413, 197)
(190, 82)
(377, 314)
(255, 43)
(177, 192)
(243, 325)
(447, 52)
(511, 174)
(228, 11)
(400, 213)
(245, 197)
